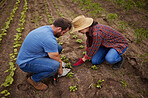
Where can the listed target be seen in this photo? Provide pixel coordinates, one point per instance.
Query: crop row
(17, 43)
(4, 29)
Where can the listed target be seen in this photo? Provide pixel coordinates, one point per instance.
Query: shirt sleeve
(50, 45)
(97, 39)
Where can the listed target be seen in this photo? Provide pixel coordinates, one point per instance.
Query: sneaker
(79, 62)
(118, 64)
(37, 85)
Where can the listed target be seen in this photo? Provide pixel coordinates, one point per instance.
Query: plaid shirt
(102, 35)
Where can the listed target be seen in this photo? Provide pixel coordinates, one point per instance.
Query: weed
(140, 33)
(111, 17)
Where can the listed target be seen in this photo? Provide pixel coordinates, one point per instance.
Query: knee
(96, 62)
(110, 59)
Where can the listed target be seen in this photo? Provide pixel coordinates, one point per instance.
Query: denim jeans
(42, 67)
(108, 54)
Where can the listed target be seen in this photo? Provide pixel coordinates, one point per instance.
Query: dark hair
(94, 23)
(63, 23)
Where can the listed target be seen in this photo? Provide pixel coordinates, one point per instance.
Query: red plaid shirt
(102, 35)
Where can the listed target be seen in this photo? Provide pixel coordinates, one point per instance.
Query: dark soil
(133, 73)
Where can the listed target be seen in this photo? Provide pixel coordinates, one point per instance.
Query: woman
(103, 42)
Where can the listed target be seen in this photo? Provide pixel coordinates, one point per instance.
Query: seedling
(94, 67)
(68, 65)
(79, 41)
(124, 83)
(84, 53)
(75, 36)
(81, 46)
(63, 57)
(66, 60)
(5, 93)
(71, 32)
(60, 43)
(73, 88)
(70, 75)
(99, 83)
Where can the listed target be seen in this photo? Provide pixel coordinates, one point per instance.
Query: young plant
(84, 52)
(70, 75)
(94, 67)
(63, 57)
(124, 83)
(73, 88)
(79, 41)
(68, 65)
(71, 32)
(5, 93)
(75, 36)
(60, 43)
(81, 47)
(99, 83)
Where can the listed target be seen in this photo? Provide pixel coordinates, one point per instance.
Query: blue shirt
(37, 44)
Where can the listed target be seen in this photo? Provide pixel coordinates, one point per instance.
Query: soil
(134, 72)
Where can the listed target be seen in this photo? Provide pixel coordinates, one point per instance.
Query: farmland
(19, 17)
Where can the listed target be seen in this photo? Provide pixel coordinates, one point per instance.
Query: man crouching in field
(39, 53)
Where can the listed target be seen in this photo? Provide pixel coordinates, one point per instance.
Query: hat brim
(87, 23)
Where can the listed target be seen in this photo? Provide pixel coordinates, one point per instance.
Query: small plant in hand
(99, 83)
(94, 67)
(81, 47)
(75, 36)
(73, 88)
(79, 41)
(68, 65)
(70, 75)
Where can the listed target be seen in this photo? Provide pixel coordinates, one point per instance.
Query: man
(39, 53)
(103, 42)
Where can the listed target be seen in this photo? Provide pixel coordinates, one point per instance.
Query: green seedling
(73, 88)
(79, 41)
(70, 75)
(81, 46)
(84, 53)
(5, 93)
(60, 43)
(63, 57)
(66, 60)
(99, 83)
(75, 36)
(68, 65)
(94, 67)
(124, 83)
(71, 32)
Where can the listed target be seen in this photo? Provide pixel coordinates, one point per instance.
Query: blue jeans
(42, 67)
(108, 54)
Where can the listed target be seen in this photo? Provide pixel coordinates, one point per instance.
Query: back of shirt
(37, 44)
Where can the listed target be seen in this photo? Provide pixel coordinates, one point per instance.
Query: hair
(63, 23)
(94, 23)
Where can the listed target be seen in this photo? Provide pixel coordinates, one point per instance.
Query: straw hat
(81, 22)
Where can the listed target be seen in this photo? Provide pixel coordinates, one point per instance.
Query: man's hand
(60, 71)
(56, 56)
